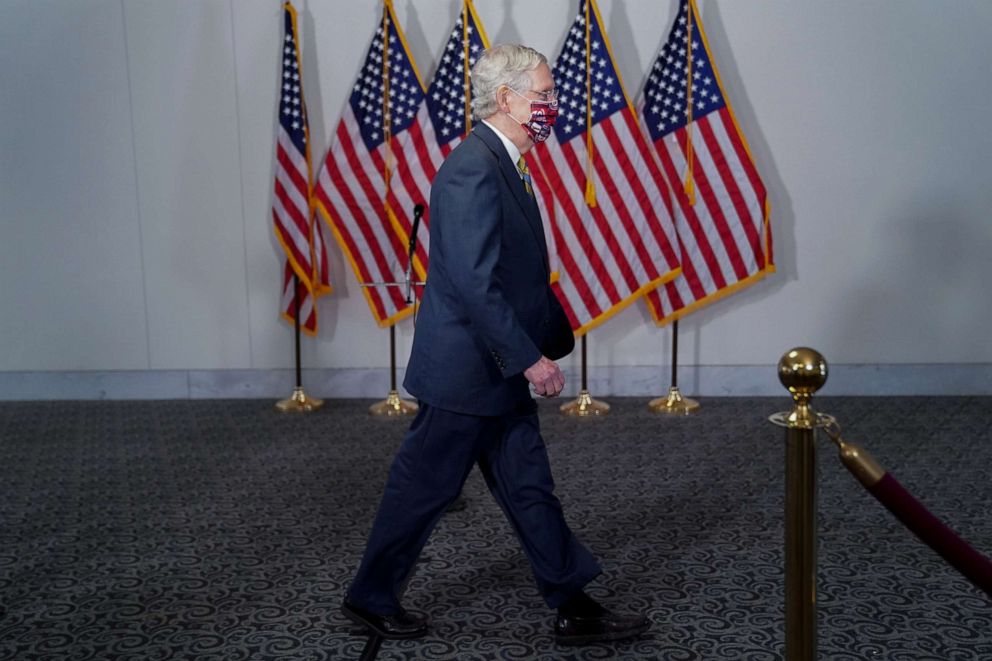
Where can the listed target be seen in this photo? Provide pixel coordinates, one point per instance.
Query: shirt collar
(511, 148)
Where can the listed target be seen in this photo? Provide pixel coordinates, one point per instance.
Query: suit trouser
(427, 475)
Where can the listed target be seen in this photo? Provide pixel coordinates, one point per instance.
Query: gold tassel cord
(590, 185)
(386, 123)
(690, 186)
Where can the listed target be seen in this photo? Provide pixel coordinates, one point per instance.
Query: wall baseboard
(614, 381)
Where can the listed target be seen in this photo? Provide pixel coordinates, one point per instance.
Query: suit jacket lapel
(512, 176)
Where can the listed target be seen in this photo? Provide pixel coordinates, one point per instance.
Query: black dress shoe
(579, 630)
(400, 625)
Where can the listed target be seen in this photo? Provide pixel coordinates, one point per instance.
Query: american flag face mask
(542, 117)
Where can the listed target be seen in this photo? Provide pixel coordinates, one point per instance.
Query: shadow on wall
(928, 292)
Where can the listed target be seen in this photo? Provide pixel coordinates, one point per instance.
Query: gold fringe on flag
(590, 185)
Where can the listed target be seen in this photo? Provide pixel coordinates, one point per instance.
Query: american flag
(449, 93)
(625, 244)
(302, 239)
(378, 169)
(448, 97)
(725, 234)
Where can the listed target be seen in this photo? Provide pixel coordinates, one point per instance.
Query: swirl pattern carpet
(225, 530)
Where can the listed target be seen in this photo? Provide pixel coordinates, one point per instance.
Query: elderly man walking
(490, 328)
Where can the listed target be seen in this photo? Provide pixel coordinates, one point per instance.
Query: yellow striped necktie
(525, 175)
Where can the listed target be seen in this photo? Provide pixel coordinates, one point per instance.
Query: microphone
(418, 211)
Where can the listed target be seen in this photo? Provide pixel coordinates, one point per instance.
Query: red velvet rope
(973, 565)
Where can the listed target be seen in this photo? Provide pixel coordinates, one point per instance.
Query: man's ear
(501, 101)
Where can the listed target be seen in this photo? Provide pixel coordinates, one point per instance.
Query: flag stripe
(297, 247)
(545, 204)
(419, 139)
(751, 189)
(564, 253)
(612, 262)
(361, 229)
(580, 277)
(402, 199)
(307, 310)
(398, 201)
(294, 167)
(377, 234)
(587, 245)
(698, 241)
(363, 263)
(293, 212)
(663, 228)
(615, 206)
(744, 233)
(731, 210)
(725, 247)
(619, 155)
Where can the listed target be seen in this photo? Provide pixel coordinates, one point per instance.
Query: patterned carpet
(224, 530)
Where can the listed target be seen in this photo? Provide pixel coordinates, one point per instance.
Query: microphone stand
(393, 405)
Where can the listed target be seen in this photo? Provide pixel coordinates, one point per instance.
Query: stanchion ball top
(802, 370)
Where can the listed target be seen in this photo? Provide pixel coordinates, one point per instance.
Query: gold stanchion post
(802, 371)
(393, 404)
(584, 404)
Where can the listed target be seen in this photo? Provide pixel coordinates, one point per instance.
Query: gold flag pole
(584, 404)
(299, 401)
(674, 403)
(393, 404)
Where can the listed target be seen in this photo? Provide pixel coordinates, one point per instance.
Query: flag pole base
(674, 403)
(393, 405)
(299, 402)
(584, 405)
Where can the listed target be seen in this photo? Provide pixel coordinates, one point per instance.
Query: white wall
(136, 149)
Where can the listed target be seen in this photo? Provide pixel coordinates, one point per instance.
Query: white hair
(503, 64)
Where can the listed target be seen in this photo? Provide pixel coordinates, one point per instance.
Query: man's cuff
(511, 365)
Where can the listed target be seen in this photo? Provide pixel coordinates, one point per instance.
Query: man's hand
(546, 377)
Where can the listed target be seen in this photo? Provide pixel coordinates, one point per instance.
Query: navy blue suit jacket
(488, 310)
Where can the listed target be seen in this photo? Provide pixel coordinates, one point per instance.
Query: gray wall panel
(181, 61)
(70, 259)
